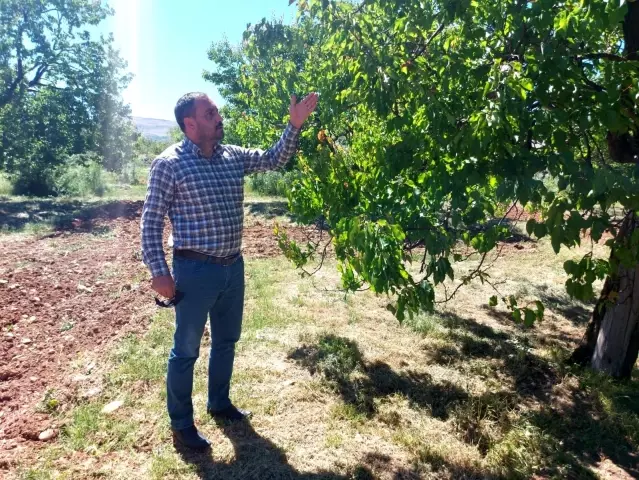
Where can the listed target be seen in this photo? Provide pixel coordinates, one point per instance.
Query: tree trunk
(617, 344)
(583, 353)
(611, 342)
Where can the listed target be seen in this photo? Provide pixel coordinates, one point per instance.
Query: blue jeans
(210, 291)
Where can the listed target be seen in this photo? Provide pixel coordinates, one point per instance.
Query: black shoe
(230, 413)
(191, 438)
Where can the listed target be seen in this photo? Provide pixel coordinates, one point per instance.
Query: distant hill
(154, 128)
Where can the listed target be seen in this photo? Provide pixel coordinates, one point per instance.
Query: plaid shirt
(203, 197)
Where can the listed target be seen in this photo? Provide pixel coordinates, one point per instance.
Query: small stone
(94, 392)
(79, 378)
(112, 407)
(34, 379)
(32, 319)
(26, 340)
(90, 367)
(36, 299)
(3, 282)
(84, 288)
(47, 435)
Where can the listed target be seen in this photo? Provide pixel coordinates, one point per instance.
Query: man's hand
(164, 285)
(301, 111)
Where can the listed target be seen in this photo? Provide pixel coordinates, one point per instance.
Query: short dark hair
(185, 107)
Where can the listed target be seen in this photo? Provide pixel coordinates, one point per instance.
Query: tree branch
(7, 95)
(38, 76)
(605, 56)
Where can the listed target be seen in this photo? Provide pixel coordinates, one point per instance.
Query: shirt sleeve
(256, 160)
(159, 197)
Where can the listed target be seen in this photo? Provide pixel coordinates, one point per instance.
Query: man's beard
(219, 133)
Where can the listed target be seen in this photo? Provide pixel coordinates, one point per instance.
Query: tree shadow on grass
(360, 383)
(577, 312)
(428, 460)
(63, 215)
(531, 374)
(578, 424)
(592, 423)
(256, 458)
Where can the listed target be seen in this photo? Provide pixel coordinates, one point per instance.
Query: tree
(61, 86)
(433, 114)
(40, 46)
(257, 78)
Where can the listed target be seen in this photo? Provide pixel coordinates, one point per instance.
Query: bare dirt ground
(73, 291)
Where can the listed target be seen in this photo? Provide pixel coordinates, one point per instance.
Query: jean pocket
(186, 266)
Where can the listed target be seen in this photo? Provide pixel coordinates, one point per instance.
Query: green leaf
(493, 301)
(529, 318)
(512, 301)
(517, 315)
(555, 240)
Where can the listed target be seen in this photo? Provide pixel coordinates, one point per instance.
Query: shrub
(135, 170)
(33, 181)
(6, 185)
(81, 175)
(272, 183)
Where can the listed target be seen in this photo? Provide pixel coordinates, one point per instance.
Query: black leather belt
(202, 257)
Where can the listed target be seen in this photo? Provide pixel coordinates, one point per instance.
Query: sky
(165, 43)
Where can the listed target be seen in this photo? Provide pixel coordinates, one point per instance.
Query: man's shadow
(255, 458)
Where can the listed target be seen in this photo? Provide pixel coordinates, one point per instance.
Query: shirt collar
(191, 147)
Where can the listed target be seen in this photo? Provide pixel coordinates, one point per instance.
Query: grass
(340, 390)
(94, 432)
(6, 187)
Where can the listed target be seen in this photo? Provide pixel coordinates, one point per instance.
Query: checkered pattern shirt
(203, 197)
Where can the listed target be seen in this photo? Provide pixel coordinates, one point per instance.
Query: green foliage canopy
(433, 114)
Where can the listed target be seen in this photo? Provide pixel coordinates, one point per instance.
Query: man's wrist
(159, 271)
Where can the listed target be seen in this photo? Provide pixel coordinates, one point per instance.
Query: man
(199, 184)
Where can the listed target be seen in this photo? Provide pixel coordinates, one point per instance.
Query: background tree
(60, 90)
(434, 114)
(257, 78)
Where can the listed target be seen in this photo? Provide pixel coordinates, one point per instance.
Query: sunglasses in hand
(171, 302)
